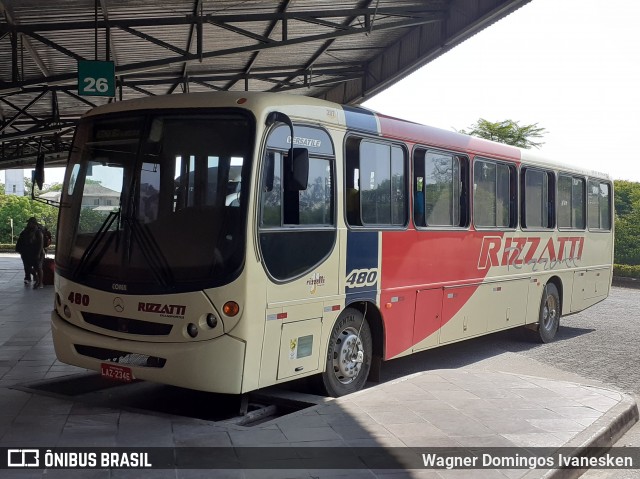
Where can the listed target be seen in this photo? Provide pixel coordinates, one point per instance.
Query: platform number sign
(96, 78)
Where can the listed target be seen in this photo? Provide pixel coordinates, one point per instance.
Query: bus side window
(272, 190)
(538, 198)
(375, 189)
(599, 205)
(494, 194)
(440, 189)
(571, 204)
(352, 179)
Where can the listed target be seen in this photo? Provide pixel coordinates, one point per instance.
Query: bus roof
(354, 118)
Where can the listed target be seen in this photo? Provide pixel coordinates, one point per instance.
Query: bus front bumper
(214, 365)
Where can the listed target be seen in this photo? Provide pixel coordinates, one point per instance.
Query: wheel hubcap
(549, 312)
(348, 356)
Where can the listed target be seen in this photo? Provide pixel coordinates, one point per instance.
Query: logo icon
(118, 304)
(23, 458)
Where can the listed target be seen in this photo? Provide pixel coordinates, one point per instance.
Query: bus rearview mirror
(297, 169)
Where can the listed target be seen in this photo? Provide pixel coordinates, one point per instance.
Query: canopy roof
(343, 51)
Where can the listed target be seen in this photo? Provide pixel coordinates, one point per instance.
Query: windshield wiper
(83, 265)
(151, 252)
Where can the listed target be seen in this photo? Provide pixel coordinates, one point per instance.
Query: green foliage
(626, 271)
(508, 132)
(90, 221)
(627, 207)
(20, 209)
(627, 197)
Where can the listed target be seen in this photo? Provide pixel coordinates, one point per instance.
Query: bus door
(297, 240)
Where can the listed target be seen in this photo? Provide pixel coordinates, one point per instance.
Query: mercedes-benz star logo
(118, 304)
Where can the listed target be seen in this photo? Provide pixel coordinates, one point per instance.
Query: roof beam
(254, 56)
(154, 40)
(37, 131)
(35, 56)
(112, 52)
(326, 45)
(197, 7)
(21, 112)
(238, 18)
(54, 45)
(155, 64)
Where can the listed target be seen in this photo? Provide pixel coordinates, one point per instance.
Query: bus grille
(126, 325)
(120, 357)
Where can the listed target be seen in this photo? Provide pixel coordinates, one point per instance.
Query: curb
(625, 282)
(603, 433)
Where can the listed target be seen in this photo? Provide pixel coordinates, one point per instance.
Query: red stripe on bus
(426, 260)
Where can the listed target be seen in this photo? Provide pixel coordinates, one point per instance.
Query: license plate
(116, 372)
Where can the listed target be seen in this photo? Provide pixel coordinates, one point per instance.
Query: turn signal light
(231, 308)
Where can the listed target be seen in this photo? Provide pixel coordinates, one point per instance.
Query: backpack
(46, 237)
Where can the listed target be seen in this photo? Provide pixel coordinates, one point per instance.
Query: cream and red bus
(227, 242)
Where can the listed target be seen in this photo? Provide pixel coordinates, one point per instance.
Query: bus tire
(349, 354)
(549, 316)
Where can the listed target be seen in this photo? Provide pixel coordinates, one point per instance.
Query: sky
(571, 66)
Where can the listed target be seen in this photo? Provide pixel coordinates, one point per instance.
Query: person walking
(31, 248)
(21, 247)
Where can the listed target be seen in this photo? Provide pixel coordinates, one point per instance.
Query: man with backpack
(30, 245)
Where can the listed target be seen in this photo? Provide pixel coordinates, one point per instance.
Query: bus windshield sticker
(293, 348)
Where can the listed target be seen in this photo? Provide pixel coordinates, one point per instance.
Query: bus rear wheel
(549, 317)
(348, 354)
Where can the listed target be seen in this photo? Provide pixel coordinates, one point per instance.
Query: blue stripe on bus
(360, 119)
(362, 261)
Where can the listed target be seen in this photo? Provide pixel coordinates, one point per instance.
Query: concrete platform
(465, 409)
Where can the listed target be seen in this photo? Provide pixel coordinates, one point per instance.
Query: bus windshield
(156, 203)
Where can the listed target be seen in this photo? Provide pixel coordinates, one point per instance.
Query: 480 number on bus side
(359, 278)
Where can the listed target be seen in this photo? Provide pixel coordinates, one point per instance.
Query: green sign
(96, 78)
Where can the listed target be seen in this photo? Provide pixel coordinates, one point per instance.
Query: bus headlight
(192, 330)
(212, 320)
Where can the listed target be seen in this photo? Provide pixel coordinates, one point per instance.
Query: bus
(230, 241)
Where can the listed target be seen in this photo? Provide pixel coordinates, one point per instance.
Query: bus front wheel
(348, 354)
(549, 318)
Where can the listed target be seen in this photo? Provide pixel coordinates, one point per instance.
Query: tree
(627, 208)
(507, 131)
(20, 209)
(27, 186)
(627, 244)
(627, 197)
